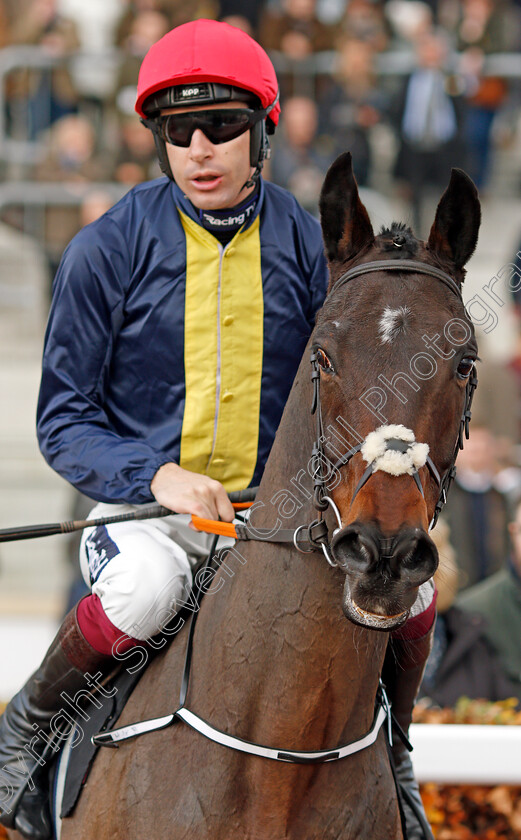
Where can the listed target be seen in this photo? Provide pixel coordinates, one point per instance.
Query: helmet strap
(162, 155)
(259, 151)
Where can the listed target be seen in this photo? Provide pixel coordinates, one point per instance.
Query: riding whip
(29, 532)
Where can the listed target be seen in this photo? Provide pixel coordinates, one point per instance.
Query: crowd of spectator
(339, 85)
(347, 70)
(443, 47)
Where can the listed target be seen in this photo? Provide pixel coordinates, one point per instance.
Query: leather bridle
(320, 499)
(315, 536)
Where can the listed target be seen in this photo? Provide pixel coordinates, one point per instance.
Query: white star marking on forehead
(392, 322)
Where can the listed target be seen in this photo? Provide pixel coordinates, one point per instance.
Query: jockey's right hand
(184, 491)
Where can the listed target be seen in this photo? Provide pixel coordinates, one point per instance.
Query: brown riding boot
(36, 722)
(403, 671)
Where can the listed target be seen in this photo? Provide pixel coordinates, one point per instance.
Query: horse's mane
(396, 227)
(402, 233)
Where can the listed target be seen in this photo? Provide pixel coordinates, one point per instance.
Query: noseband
(321, 500)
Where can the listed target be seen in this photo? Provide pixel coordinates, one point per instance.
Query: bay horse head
(394, 354)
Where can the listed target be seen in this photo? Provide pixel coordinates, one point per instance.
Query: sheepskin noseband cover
(394, 450)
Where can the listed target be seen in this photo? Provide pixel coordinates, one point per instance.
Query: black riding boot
(35, 723)
(403, 670)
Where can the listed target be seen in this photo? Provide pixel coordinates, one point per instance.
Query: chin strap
(264, 154)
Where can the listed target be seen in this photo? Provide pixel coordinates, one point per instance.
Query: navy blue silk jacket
(113, 398)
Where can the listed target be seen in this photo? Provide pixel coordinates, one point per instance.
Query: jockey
(176, 328)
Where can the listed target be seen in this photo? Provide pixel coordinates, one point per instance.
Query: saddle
(73, 766)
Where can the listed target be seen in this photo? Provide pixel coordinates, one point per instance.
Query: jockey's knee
(140, 588)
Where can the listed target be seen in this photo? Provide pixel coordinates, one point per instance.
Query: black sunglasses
(219, 126)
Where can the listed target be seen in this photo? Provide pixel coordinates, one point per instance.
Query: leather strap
(412, 266)
(125, 733)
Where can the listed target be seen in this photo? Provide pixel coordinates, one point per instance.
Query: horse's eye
(324, 362)
(465, 368)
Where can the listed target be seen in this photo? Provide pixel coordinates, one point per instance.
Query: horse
(289, 644)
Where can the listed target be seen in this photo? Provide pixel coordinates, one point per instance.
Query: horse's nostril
(414, 556)
(355, 548)
(410, 555)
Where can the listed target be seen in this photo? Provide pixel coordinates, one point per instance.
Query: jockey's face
(211, 176)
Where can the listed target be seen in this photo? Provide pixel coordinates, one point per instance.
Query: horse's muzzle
(382, 573)
(409, 557)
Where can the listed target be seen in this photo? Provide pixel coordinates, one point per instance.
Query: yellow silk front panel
(224, 327)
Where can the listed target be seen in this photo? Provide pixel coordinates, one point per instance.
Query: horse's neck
(279, 646)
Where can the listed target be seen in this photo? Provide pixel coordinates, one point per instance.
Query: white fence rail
(466, 754)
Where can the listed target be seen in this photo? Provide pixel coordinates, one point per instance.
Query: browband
(400, 265)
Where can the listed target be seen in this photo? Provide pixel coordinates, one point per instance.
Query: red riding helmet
(207, 61)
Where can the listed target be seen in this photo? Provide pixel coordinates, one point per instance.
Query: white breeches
(141, 571)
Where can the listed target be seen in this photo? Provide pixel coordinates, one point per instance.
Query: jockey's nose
(201, 147)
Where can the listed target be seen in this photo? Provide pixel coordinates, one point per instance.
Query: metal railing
(35, 198)
(306, 71)
(447, 753)
(16, 145)
(30, 193)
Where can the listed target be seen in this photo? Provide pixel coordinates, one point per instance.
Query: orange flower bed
(472, 812)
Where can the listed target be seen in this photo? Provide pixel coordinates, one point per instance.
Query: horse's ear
(454, 233)
(346, 227)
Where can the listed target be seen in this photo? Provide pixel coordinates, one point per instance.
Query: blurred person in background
(497, 405)
(45, 95)
(296, 30)
(73, 158)
(498, 600)
(72, 154)
(463, 662)
(428, 115)
(144, 29)
(300, 163)
(352, 104)
(476, 511)
(409, 20)
(245, 15)
(176, 11)
(296, 33)
(364, 20)
(488, 477)
(136, 158)
(483, 27)
(514, 362)
(97, 201)
(5, 34)
(240, 22)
